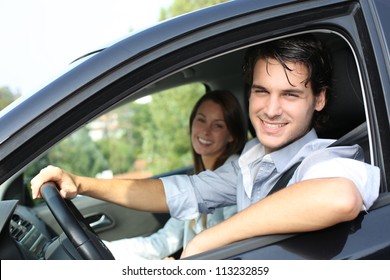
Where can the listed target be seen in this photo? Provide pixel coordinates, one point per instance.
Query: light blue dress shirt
(233, 183)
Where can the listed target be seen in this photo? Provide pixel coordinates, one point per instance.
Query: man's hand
(64, 180)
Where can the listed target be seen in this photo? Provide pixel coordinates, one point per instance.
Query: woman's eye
(219, 126)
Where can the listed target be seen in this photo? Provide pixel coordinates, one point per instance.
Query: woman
(217, 137)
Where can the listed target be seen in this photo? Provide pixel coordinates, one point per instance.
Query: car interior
(347, 105)
(347, 110)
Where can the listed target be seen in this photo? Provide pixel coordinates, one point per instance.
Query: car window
(139, 139)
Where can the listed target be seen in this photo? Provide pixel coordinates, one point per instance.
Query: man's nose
(273, 107)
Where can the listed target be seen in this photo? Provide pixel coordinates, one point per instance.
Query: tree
(6, 97)
(76, 153)
(123, 145)
(166, 136)
(180, 7)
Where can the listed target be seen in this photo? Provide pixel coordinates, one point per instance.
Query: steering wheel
(72, 222)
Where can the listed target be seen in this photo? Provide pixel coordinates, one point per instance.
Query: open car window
(139, 139)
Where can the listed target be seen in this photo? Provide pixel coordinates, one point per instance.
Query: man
(288, 80)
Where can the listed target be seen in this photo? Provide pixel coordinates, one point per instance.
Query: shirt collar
(282, 157)
(254, 152)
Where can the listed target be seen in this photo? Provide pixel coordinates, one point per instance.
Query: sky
(39, 38)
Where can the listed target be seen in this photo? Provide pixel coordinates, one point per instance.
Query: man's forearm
(145, 195)
(306, 206)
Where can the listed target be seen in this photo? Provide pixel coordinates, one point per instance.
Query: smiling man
(289, 81)
(281, 109)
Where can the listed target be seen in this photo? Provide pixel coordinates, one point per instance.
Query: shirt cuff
(180, 197)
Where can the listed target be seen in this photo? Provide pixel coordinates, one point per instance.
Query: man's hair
(235, 123)
(305, 49)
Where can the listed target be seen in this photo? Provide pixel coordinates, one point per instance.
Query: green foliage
(6, 97)
(157, 132)
(166, 137)
(76, 153)
(124, 145)
(68, 154)
(180, 7)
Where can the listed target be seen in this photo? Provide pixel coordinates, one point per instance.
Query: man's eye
(292, 95)
(259, 91)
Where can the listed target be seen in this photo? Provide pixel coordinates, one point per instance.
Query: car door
(119, 144)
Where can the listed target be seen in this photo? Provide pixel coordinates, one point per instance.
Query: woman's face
(210, 134)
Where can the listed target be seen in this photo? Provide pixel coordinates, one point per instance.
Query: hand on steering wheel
(72, 222)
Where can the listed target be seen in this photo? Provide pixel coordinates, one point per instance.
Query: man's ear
(320, 100)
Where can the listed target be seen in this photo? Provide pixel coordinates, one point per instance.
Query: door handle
(99, 221)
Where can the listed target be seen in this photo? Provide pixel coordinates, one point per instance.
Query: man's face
(281, 107)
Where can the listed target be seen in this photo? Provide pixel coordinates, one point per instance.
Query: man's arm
(145, 195)
(305, 206)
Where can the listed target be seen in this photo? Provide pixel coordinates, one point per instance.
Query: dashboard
(25, 237)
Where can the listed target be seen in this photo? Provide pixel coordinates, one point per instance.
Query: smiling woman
(217, 130)
(217, 137)
(209, 130)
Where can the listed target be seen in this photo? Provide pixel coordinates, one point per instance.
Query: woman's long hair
(235, 123)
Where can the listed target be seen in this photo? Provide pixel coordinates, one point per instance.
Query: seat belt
(354, 136)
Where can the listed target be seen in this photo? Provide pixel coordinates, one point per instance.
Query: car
(205, 47)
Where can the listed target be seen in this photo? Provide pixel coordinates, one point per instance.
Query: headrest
(346, 108)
